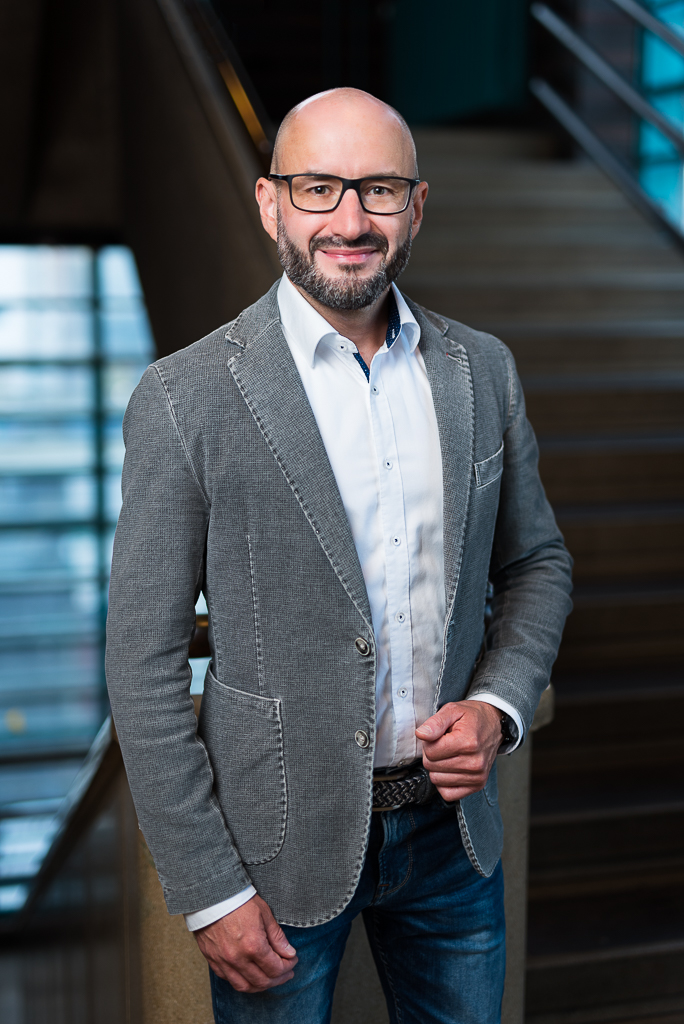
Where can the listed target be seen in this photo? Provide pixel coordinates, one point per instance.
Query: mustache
(371, 238)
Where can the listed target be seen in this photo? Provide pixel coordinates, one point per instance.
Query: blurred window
(74, 341)
(662, 81)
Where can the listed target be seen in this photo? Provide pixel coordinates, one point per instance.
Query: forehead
(345, 140)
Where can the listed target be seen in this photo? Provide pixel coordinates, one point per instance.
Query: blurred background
(552, 136)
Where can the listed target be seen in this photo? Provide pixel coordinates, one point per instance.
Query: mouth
(355, 257)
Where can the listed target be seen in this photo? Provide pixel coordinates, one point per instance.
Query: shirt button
(402, 692)
(388, 463)
(396, 541)
(400, 617)
(362, 738)
(362, 646)
(375, 389)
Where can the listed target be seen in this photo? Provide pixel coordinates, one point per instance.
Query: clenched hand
(460, 743)
(248, 948)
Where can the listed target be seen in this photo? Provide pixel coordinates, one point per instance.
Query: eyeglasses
(383, 194)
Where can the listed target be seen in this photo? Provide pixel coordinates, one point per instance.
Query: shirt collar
(305, 328)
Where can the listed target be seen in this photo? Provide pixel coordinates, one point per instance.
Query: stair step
(627, 629)
(634, 544)
(570, 845)
(643, 1011)
(434, 144)
(591, 687)
(587, 405)
(612, 469)
(535, 303)
(607, 923)
(577, 880)
(606, 985)
(642, 348)
(631, 719)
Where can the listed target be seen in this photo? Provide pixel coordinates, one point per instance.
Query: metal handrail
(605, 73)
(602, 156)
(638, 104)
(651, 24)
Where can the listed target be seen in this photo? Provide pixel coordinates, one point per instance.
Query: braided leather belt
(400, 787)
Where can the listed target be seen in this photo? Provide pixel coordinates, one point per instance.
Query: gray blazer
(227, 489)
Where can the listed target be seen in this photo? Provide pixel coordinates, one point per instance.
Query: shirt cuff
(201, 918)
(503, 705)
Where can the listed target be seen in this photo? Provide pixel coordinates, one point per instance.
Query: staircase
(549, 256)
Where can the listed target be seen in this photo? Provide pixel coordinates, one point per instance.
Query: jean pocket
(489, 470)
(243, 734)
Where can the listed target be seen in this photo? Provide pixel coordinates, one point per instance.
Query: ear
(419, 197)
(267, 198)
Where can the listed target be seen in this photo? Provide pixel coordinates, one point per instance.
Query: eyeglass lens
(319, 194)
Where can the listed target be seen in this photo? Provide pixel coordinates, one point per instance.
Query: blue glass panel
(58, 723)
(112, 497)
(46, 447)
(12, 897)
(69, 609)
(119, 381)
(117, 273)
(199, 668)
(27, 555)
(46, 390)
(35, 787)
(26, 499)
(72, 668)
(55, 443)
(45, 271)
(114, 445)
(23, 844)
(65, 333)
(125, 331)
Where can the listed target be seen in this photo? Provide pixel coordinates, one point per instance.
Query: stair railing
(640, 106)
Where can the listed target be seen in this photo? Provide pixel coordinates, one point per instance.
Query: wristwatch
(508, 730)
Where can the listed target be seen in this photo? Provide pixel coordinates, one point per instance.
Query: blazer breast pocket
(243, 734)
(489, 470)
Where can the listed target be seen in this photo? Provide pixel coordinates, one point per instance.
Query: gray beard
(349, 292)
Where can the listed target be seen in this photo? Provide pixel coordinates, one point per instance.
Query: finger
(271, 964)
(476, 780)
(434, 727)
(249, 982)
(451, 796)
(277, 937)
(262, 972)
(460, 763)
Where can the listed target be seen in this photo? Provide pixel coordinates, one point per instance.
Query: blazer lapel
(269, 382)
(448, 370)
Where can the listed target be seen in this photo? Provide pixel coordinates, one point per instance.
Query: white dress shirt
(379, 428)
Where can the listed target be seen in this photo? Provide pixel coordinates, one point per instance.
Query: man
(340, 472)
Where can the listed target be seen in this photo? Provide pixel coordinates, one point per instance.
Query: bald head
(348, 121)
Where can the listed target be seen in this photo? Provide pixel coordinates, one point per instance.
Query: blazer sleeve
(157, 572)
(530, 572)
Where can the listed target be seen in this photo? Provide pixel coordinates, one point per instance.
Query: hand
(460, 744)
(248, 948)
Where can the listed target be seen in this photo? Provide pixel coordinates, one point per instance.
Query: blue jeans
(435, 926)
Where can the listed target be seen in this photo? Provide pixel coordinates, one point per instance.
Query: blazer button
(362, 738)
(362, 646)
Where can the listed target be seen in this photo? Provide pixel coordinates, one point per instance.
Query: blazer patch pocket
(243, 734)
(489, 470)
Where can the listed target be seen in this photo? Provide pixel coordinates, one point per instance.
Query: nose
(350, 219)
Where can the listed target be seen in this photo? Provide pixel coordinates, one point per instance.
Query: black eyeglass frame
(350, 183)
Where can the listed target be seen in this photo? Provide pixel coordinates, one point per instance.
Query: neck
(366, 327)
